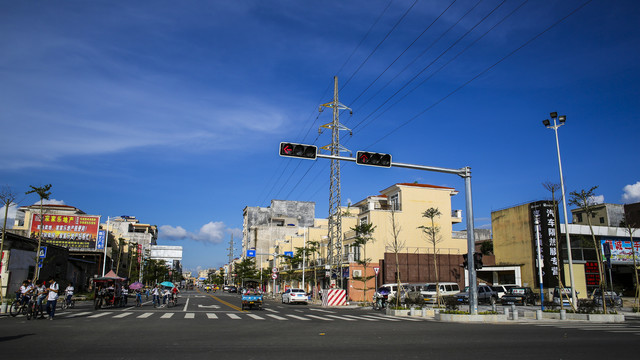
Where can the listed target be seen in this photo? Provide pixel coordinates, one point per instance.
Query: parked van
(446, 289)
(393, 288)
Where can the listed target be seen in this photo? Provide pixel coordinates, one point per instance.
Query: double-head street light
(557, 122)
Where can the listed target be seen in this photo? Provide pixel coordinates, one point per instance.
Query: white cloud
(11, 215)
(50, 202)
(597, 199)
(212, 233)
(631, 193)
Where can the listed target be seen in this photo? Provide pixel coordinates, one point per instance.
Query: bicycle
(34, 309)
(19, 307)
(67, 304)
(173, 301)
(138, 300)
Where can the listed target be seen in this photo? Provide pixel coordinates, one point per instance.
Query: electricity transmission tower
(334, 249)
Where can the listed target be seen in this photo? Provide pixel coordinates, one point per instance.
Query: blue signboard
(288, 253)
(251, 253)
(101, 236)
(43, 252)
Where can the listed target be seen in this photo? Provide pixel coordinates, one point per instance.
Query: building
(171, 255)
(602, 215)
(516, 229)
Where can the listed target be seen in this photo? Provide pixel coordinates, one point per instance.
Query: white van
(446, 289)
(392, 288)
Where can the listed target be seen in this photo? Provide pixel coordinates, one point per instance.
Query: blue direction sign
(288, 253)
(43, 252)
(102, 234)
(251, 253)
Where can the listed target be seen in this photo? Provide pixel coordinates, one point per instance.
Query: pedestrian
(41, 290)
(52, 298)
(125, 294)
(69, 293)
(156, 296)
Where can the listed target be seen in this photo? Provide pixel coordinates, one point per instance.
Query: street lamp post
(557, 122)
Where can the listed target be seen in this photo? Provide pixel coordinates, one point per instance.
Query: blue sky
(173, 111)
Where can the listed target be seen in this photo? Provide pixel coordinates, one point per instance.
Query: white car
(294, 296)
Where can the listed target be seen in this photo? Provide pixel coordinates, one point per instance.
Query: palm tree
(44, 194)
(431, 232)
(364, 235)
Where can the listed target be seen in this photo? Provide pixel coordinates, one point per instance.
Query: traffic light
(477, 260)
(298, 150)
(465, 263)
(373, 159)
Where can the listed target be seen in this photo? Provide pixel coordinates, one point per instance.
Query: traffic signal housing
(477, 260)
(373, 159)
(298, 150)
(465, 262)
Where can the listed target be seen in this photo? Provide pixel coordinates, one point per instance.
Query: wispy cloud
(212, 233)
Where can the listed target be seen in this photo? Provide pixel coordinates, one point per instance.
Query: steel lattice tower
(334, 248)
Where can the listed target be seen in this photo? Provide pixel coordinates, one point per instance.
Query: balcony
(456, 216)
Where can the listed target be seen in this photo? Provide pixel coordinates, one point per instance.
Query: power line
(484, 71)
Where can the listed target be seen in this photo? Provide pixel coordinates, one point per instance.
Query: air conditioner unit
(357, 273)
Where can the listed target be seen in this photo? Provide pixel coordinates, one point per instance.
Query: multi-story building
(602, 215)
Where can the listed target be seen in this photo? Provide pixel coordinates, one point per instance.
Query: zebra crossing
(246, 316)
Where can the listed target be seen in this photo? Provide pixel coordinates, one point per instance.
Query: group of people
(42, 290)
(165, 293)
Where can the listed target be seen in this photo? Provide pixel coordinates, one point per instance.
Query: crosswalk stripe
(99, 315)
(322, 310)
(271, 310)
(276, 317)
(381, 318)
(340, 318)
(255, 316)
(233, 316)
(189, 315)
(166, 316)
(120, 316)
(145, 315)
(297, 317)
(80, 314)
(319, 317)
(360, 317)
(212, 316)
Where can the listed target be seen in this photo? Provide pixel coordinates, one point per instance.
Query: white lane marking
(145, 315)
(358, 318)
(80, 314)
(120, 316)
(99, 315)
(381, 318)
(200, 306)
(212, 316)
(297, 317)
(276, 317)
(189, 315)
(255, 316)
(321, 310)
(185, 305)
(319, 317)
(340, 318)
(166, 316)
(233, 316)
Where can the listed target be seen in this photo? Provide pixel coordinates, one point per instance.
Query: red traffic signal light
(373, 159)
(298, 150)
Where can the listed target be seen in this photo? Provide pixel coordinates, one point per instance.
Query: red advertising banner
(71, 231)
(591, 273)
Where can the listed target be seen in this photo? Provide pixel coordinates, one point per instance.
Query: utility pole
(230, 258)
(334, 252)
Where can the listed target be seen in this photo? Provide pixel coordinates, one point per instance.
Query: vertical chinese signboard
(543, 226)
(71, 231)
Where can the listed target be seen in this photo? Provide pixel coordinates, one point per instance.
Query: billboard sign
(621, 250)
(70, 231)
(543, 223)
(102, 235)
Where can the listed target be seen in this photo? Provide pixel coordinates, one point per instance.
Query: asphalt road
(212, 325)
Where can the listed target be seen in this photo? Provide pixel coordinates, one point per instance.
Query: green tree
(364, 235)
(44, 194)
(313, 249)
(583, 199)
(245, 269)
(432, 234)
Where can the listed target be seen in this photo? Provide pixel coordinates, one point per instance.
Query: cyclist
(174, 294)
(41, 291)
(25, 292)
(69, 293)
(156, 296)
(138, 298)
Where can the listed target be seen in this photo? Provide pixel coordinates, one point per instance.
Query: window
(394, 202)
(356, 253)
(364, 220)
(579, 217)
(601, 220)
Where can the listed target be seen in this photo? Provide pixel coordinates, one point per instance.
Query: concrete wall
(513, 241)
